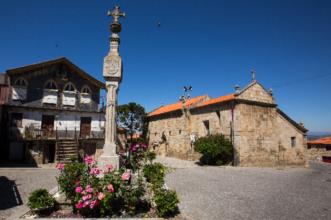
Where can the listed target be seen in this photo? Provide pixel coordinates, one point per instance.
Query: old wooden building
(51, 113)
(262, 135)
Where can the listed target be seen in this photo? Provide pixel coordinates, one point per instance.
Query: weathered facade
(53, 113)
(262, 135)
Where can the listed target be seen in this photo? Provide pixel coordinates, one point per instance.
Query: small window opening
(207, 128)
(293, 141)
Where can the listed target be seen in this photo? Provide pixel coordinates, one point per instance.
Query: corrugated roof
(324, 141)
(177, 106)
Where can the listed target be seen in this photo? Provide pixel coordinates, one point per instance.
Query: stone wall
(263, 138)
(316, 152)
(168, 135)
(256, 92)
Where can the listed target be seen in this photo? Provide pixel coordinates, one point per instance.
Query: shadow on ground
(10, 197)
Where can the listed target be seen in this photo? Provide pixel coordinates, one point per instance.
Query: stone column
(109, 155)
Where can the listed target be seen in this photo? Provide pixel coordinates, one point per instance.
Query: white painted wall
(69, 98)
(50, 96)
(63, 120)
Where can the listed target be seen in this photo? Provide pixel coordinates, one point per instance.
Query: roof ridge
(176, 106)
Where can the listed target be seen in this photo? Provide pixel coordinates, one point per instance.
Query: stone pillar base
(107, 159)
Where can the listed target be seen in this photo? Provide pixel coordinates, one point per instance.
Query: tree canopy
(131, 117)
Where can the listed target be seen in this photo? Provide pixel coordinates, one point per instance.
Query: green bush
(166, 202)
(154, 174)
(69, 178)
(215, 150)
(40, 200)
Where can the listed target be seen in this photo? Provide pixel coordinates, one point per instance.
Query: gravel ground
(251, 193)
(17, 183)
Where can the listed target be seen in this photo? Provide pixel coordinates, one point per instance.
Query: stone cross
(253, 75)
(116, 14)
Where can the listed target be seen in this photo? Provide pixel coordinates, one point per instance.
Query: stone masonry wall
(256, 92)
(219, 118)
(263, 138)
(169, 136)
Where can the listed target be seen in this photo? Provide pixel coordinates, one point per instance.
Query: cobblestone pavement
(252, 193)
(17, 183)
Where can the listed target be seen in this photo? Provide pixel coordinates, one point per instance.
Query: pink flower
(79, 205)
(126, 176)
(94, 203)
(109, 167)
(78, 189)
(87, 197)
(89, 160)
(101, 196)
(60, 166)
(110, 188)
(144, 146)
(134, 147)
(89, 189)
(86, 203)
(95, 171)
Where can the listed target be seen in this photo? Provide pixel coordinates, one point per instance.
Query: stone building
(52, 113)
(320, 149)
(262, 135)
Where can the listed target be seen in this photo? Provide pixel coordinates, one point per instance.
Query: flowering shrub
(99, 191)
(136, 156)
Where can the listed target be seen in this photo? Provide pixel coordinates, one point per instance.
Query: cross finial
(253, 75)
(116, 14)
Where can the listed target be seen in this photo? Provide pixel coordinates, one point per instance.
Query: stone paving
(17, 183)
(251, 193)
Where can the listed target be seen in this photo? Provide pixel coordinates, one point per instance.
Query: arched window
(69, 95)
(21, 82)
(85, 95)
(51, 85)
(50, 93)
(86, 90)
(69, 87)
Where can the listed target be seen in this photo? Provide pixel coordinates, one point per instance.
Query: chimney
(237, 89)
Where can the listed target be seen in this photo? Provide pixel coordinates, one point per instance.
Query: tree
(131, 117)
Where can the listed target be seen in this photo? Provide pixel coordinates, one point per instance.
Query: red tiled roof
(325, 140)
(217, 100)
(176, 106)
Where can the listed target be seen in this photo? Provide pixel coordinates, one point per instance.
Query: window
(21, 82)
(69, 87)
(293, 141)
(86, 90)
(19, 90)
(51, 85)
(85, 95)
(206, 124)
(16, 120)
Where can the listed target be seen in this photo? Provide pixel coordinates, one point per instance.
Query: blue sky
(211, 45)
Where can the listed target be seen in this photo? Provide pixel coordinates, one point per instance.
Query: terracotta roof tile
(217, 100)
(325, 140)
(177, 106)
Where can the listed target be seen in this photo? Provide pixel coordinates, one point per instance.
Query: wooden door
(47, 125)
(85, 126)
